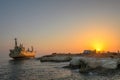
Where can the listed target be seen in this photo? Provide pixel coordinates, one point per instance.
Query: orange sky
(60, 26)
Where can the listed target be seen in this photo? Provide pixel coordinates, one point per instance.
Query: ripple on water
(32, 70)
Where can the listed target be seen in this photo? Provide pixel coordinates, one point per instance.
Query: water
(31, 69)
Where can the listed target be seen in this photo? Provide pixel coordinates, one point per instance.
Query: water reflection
(32, 69)
(17, 70)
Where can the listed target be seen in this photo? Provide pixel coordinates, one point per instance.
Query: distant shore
(94, 55)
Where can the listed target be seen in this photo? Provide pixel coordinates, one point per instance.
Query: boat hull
(22, 55)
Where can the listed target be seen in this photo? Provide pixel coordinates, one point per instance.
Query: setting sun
(98, 49)
(98, 46)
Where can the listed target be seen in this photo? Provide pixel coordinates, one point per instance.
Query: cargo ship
(19, 52)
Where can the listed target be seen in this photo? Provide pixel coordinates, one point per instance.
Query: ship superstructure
(21, 52)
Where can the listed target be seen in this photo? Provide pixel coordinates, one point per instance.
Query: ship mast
(15, 42)
(32, 48)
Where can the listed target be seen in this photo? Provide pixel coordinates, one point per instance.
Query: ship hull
(22, 55)
(25, 57)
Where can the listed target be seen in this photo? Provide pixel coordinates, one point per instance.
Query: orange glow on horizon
(93, 36)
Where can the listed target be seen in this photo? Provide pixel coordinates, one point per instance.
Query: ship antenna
(32, 48)
(15, 42)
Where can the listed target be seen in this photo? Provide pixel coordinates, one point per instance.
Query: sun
(98, 47)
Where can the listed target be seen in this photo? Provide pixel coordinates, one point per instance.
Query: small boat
(19, 52)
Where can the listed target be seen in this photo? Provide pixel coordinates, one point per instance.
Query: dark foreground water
(32, 69)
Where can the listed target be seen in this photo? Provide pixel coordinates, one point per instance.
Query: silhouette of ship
(19, 52)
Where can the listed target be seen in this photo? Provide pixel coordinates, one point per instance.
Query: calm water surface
(31, 69)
